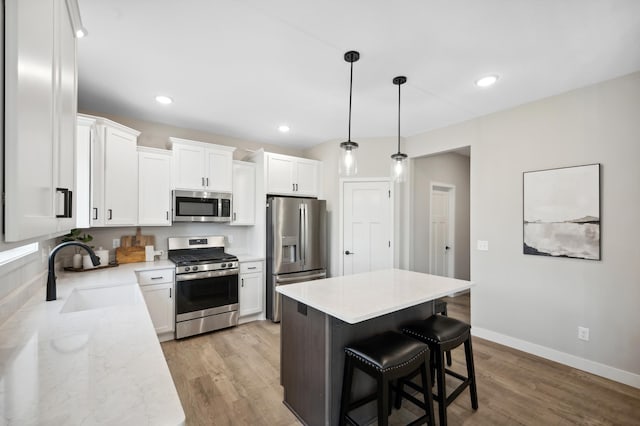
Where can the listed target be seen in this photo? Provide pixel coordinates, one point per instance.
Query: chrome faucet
(51, 280)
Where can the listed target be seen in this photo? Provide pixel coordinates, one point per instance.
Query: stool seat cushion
(437, 329)
(387, 350)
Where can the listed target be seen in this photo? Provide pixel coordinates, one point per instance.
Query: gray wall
(540, 300)
(449, 168)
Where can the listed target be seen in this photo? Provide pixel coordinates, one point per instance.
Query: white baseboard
(593, 367)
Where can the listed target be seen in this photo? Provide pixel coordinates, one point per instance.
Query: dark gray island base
(312, 359)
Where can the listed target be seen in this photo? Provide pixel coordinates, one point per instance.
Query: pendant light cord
(399, 118)
(350, 92)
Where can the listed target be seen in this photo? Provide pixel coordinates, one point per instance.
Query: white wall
(236, 241)
(536, 302)
(374, 160)
(449, 168)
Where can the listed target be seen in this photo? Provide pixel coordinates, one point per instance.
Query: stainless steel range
(206, 285)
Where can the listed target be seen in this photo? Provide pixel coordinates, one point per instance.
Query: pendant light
(399, 159)
(348, 164)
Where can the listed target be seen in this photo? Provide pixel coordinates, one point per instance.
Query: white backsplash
(235, 237)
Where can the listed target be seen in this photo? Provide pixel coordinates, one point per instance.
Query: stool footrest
(457, 391)
(456, 375)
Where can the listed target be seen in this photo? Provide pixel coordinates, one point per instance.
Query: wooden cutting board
(130, 254)
(137, 240)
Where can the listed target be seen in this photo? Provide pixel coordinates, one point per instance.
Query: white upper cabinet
(120, 176)
(154, 186)
(111, 189)
(39, 122)
(244, 193)
(85, 137)
(199, 166)
(287, 175)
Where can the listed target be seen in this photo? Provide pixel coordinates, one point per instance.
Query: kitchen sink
(102, 297)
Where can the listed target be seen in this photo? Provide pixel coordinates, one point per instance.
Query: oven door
(202, 294)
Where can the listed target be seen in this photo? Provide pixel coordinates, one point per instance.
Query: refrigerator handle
(306, 232)
(301, 232)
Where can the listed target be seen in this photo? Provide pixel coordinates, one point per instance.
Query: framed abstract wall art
(561, 209)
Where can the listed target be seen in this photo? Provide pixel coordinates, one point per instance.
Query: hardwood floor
(231, 377)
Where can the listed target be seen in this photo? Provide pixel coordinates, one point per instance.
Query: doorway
(366, 225)
(442, 229)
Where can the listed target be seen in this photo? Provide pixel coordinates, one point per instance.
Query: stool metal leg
(383, 401)
(445, 313)
(442, 388)
(471, 373)
(399, 390)
(428, 397)
(346, 390)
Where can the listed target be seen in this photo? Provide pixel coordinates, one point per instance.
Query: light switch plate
(483, 245)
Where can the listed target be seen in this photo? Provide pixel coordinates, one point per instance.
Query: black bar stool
(443, 334)
(440, 307)
(386, 357)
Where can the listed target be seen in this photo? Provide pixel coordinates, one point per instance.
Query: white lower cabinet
(251, 288)
(158, 290)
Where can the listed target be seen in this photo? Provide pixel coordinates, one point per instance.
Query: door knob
(348, 252)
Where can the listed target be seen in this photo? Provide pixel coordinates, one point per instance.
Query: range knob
(224, 265)
(187, 269)
(195, 268)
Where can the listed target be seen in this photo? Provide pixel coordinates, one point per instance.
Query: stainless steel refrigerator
(296, 245)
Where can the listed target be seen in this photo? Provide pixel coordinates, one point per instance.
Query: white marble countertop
(100, 366)
(359, 297)
(247, 257)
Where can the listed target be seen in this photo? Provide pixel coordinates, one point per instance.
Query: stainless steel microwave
(201, 206)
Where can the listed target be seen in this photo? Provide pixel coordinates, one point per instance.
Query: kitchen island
(320, 317)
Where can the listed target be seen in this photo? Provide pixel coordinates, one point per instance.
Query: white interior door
(440, 248)
(367, 227)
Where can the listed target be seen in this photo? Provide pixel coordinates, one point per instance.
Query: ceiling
(243, 67)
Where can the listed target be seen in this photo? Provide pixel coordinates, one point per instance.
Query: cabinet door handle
(234, 216)
(252, 267)
(157, 278)
(170, 292)
(242, 280)
(167, 214)
(95, 213)
(296, 187)
(202, 181)
(66, 204)
(207, 181)
(110, 214)
(293, 187)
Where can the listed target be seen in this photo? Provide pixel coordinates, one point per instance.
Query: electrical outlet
(116, 242)
(483, 245)
(583, 333)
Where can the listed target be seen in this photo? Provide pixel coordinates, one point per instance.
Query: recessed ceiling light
(283, 128)
(81, 32)
(487, 81)
(164, 100)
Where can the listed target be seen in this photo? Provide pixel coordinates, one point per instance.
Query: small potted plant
(74, 235)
